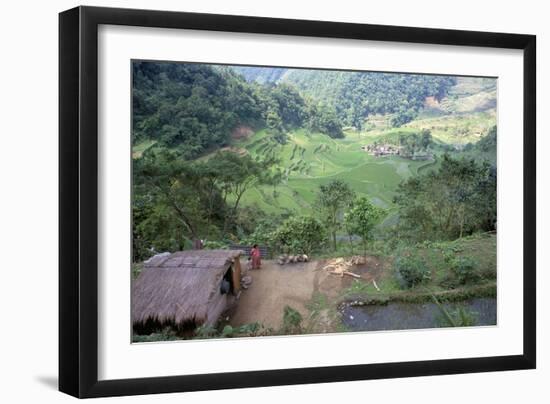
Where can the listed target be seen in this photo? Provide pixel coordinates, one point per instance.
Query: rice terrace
(275, 201)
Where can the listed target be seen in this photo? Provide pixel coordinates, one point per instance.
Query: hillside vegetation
(356, 95)
(309, 160)
(388, 179)
(231, 153)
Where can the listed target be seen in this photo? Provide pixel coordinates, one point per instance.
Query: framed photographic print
(251, 201)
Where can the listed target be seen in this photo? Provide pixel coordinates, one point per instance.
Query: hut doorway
(231, 282)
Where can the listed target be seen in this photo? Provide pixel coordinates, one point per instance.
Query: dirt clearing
(275, 286)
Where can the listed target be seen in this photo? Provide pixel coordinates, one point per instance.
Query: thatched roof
(177, 289)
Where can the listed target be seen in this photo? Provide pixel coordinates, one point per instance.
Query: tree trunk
(461, 222)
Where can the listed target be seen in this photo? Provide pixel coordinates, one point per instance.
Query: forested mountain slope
(356, 95)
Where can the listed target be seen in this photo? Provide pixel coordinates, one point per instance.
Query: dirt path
(275, 286)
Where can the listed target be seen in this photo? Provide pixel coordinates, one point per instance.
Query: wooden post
(236, 272)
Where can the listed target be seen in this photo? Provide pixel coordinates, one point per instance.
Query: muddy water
(406, 316)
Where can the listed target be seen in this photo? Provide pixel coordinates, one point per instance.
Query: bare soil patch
(241, 132)
(275, 286)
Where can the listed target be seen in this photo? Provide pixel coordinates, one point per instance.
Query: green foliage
(228, 331)
(357, 288)
(361, 218)
(464, 268)
(292, 321)
(357, 95)
(353, 96)
(175, 202)
(136, 269)
(194, 107)
(415, 143)
(261, 228)
(485, 148)
(274, 124)
(215, 245)
(457, 199)
(206, 331)
(332, 199)
(168, 201)
(411, 269)
(166, 334)
(261, 74)
(402, 116)
(489, 141)
(188, 105)
(459, 317)
(323, 118)
(299, 235)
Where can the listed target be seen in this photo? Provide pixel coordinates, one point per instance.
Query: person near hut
(256, 257)
(198, 244)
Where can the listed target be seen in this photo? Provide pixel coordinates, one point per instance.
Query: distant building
(392, 150)
(381, 150)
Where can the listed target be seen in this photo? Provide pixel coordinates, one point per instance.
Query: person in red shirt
(256, 257)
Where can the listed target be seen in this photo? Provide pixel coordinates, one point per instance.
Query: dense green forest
(356, 95)
(261, 74)
(194, 108)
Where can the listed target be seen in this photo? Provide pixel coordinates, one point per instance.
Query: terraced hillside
(462, 111)
(309, 160)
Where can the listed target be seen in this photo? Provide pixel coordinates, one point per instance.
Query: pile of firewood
(290, 259)
(341, 266)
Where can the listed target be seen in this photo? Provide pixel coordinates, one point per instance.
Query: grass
(323, 316)
(309, 160)
(313, 159)
(457, 129)
(481, 248)
(139, 148)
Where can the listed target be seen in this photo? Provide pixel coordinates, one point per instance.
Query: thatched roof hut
(185, 289)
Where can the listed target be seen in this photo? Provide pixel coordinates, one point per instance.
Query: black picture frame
(78, 201)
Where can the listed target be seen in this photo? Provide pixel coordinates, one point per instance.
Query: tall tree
(170, 197)
(361, 219)
(237, 174)
(332, 199)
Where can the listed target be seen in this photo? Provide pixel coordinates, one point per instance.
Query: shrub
(460, 317)
(228, 331)
(215, 245)
(411, 269)
(206, 331)
(464, 268)
(292, 321)
(299, 235)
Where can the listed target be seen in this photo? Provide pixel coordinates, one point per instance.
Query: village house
(381, 150)
(185, 289)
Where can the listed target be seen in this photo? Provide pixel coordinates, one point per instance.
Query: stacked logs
(291, 259)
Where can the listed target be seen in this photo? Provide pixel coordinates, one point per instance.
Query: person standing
(256, 257)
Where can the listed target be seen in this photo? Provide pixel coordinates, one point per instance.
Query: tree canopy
(457, 199)
(361, 219)
(195, 107)
(356, 95)
(332, 199)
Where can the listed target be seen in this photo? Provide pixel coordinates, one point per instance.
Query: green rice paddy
(309, 160)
